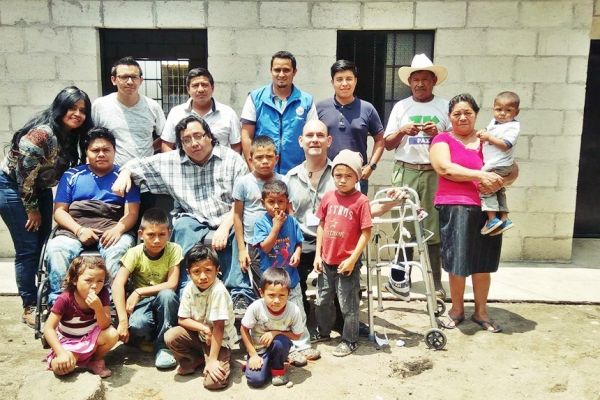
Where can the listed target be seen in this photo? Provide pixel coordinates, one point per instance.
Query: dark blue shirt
(350, 125)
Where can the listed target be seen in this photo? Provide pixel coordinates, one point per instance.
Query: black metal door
(587, 213)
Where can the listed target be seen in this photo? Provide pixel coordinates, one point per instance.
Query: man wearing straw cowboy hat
(411, 126)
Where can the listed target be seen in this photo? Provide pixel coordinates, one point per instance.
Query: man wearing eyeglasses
(132, 117)
(199, 175)
(350, 120)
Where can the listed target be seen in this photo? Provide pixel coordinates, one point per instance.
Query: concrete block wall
(538, 49)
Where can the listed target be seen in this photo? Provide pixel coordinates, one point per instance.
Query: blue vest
(284, 128)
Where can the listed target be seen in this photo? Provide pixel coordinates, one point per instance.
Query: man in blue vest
(278, 110)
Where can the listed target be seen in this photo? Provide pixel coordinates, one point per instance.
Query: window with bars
(165, 56)
(164, 81)
(378, 56)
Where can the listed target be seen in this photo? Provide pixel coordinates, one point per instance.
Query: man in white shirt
(133, 118)
(223, 121)
(412, 124)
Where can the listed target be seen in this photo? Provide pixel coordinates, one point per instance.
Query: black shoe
(316, 337)
(363, 330)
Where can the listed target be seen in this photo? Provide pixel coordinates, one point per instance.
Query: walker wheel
(440, 308)
(435, 338)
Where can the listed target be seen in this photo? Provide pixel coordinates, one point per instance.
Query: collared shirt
(283, 125)
(306, 199)
(203, 192)
(222, 120)
(415, 149)
(349, 125)
(208, 306)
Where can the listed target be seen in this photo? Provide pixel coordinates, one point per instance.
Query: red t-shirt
(344, 216)
(76, 322)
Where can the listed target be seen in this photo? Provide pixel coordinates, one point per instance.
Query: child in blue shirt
(278, 239)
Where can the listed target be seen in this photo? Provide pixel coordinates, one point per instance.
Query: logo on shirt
(300, 111)
(423, 119)
(416, 140)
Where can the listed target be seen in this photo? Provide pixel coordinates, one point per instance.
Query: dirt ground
(545, 352)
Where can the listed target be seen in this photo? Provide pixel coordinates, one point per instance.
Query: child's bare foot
(98, 367)
(191, 369)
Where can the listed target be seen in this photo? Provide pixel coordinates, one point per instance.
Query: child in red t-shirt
(342, 235)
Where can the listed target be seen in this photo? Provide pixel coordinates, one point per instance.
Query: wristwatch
(373, 166)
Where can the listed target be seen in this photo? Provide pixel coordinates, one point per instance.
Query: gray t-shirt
(132, 126)
(248, 190)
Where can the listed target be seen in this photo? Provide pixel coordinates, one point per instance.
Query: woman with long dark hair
(40, 152)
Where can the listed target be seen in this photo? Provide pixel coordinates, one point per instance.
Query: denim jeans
(331, 284)
(153, 316)
(187, 231)
(61, 250)
(273, 362)
(27, 244)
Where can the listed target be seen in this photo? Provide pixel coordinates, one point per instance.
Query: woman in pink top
(456, 157)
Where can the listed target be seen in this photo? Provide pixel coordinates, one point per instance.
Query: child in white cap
(343, 233)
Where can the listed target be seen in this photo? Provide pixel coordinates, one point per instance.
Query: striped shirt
(203, 192)
(76, 322)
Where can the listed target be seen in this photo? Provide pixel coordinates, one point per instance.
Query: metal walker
(382, 243)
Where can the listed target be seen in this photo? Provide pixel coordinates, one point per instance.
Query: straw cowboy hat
(422, 63)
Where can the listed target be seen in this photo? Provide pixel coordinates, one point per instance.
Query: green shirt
(147, 272)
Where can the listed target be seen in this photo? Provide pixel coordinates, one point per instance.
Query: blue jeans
(61, 250)
(331, 284)
(188, 231)
(153, 316)
(27, 244)
(273, 360)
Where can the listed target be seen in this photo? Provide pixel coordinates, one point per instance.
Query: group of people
(292, 202)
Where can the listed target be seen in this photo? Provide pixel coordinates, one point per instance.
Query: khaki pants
(188, 350)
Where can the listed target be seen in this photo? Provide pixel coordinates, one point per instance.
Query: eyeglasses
(195, 138)
(125, 78)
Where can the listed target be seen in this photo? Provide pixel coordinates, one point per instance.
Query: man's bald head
(315, 126)
(315, 139)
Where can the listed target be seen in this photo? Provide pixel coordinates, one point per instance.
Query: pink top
(345, 217)
(463, 193)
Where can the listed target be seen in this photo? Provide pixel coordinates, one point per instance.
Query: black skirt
(465, 251)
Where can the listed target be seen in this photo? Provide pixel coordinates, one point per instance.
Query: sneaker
(240, 304)
(400, 289)
(164, 359)
(490, 225)
(28, 316)
(297, 359)
(280, 380)
(345, 348)
(316, 337)
(98, 367)
(311, 354)
(506, 225)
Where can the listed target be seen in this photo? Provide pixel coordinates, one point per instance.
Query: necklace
(310, 173)
(464, 139)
